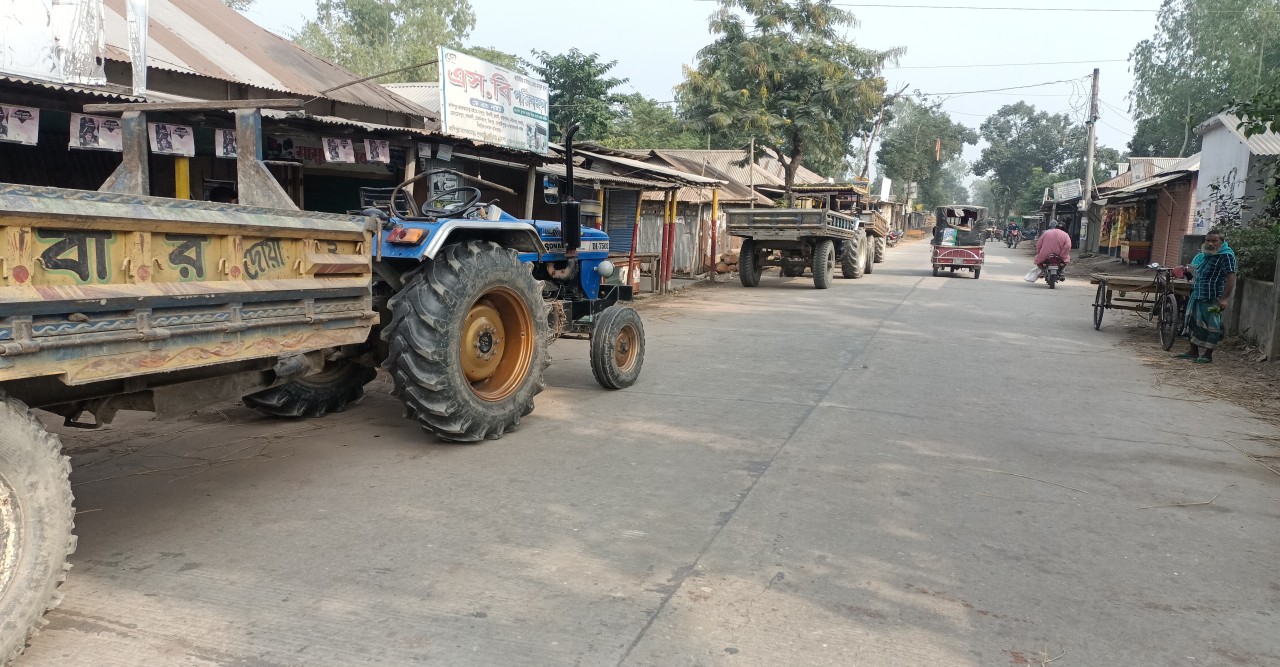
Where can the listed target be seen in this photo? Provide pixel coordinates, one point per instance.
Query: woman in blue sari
(1215, 279)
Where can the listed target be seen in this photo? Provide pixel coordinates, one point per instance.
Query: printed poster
(339, 150)
(377, 150)
(487, 103)
(96, 133)
(169, 139)
(20, 125)
(224, 143)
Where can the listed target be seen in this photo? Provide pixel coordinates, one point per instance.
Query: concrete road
(901, 470)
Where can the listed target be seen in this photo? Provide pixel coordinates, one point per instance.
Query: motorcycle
(1054, 269)
(892, 239)
(1012, 237)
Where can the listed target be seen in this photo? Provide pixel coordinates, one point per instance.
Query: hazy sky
(653, 39)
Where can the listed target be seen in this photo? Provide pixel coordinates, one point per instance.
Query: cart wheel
(1182, 317)
(937, 271)
(1168, 321)
(1099, 305)
(977, 273)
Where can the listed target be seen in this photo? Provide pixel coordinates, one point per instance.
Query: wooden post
(1272, 347)
(715, 227)
(182, 177)
(635, 238)
(530, 189)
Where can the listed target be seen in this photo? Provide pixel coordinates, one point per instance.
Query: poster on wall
(224, 143)
(484, 102)
(100, 133)
(339, 150)
(20, 125)
(169, 139)
(377, 150)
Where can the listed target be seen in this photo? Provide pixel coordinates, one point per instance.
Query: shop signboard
(494, 105)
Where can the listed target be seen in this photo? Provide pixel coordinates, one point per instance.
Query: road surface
(901, 470)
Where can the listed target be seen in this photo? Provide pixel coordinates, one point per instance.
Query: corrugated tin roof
(674, 174)
(424, 94)
(1267, 143)
(1182, 168)
(728, 162)
(731, 192)
(109, 91)
(207, 38)
(580, 174)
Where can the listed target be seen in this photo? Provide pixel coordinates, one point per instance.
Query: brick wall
(1173, 221)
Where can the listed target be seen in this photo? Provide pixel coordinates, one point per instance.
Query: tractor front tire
(617, 347)
(881, 245)
(749, 268)
(331, 389)
(824, 263)
(468, 342)
(36, 519)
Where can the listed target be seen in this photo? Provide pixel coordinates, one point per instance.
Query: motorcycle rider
(1011, 229)
(1055, 241)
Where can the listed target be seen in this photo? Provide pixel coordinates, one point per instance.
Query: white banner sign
(490, 104)
(53, 40)
(96, 133)
(172, 139)
(224, 143)
(377, 150)
(20, 125)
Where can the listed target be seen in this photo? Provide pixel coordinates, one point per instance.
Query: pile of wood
(728, 263)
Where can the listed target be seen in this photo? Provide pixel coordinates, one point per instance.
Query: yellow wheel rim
(626, 347)
(497, 344)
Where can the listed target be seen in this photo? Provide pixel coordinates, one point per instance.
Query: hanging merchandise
(20, 125)
(378, 150)
(224, 143)
(96, 133)
(339, 150)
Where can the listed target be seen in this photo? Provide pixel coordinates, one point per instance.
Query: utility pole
(752, 174)
(1093, 135)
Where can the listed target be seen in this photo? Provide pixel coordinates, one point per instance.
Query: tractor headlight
(605, 269)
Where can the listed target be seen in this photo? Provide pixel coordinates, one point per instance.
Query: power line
(1060, 62)
(997, 90)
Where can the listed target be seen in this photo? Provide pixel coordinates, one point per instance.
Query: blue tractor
(470, 299)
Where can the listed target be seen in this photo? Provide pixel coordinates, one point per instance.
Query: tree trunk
(789, 168)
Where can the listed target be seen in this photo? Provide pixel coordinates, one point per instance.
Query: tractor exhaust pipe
(570, 209)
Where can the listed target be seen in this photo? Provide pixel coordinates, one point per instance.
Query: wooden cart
(1163, 297)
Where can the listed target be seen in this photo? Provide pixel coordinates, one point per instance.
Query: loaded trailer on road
(816, 238)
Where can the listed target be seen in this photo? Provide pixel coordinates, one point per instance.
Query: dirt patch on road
(1238, 375)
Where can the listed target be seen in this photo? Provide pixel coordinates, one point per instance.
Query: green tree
(500, 58)
(1204, 54)
(785, 74)
(949, 187)
(239, 5)
(642, 122)
(1020, 140)
(922, 144)
(373, 36)
(581, 91)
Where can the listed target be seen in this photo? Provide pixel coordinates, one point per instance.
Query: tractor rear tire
(880, 248)
(824, 263)
(851, 264)
(333, 388)
(468, 342)
(749, 269)
(36, 518)
(617, 347)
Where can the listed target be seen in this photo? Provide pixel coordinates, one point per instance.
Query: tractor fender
(519, 236)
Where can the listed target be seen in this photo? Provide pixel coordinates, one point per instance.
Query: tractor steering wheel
(455, 209)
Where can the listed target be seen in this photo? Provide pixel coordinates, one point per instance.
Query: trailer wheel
(36, 519)
(467, 342)
(880, 248)
(851, 263)
(749, 268)
(617, 347)
(824, 263)
(332, 389)
(868, 255)
(937, 271)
